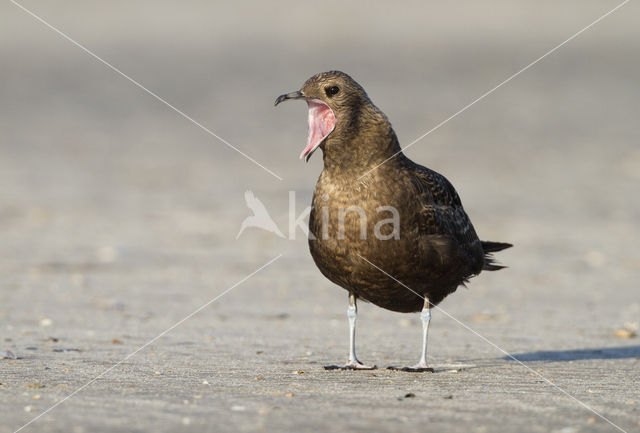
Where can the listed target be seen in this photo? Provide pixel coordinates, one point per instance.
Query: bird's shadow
(621, 352)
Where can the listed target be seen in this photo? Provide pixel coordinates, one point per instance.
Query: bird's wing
(439, 188)
(442, 222)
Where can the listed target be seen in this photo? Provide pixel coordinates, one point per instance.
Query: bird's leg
(352, 313)
(352, 363)
(425, 317)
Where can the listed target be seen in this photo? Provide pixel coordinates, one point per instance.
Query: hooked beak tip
(293, 95)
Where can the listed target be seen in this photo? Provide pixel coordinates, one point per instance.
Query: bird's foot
(418, 368)
(350, 365)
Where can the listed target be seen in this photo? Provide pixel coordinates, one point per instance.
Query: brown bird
(389, 231)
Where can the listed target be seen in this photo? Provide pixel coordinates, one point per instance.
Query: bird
(388, 230)
(260, 217)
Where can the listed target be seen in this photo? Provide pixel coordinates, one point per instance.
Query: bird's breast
(350, 220)
(355, 213)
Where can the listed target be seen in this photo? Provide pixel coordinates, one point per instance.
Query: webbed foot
(351, 365)
(418, 368)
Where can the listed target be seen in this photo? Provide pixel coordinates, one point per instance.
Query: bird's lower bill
(322, 121)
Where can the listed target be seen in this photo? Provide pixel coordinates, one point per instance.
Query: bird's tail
(492, 247)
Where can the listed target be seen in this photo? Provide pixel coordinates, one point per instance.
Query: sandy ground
(118, 218)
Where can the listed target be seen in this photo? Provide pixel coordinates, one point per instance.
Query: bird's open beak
(322, 121)
(292, 95)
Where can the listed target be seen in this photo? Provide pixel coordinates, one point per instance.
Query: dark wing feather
(444, 224)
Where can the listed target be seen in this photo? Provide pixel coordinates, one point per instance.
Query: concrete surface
(118, 218)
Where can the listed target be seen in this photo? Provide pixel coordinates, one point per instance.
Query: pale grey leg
(425, 317)
(352, 363)
(352, 313)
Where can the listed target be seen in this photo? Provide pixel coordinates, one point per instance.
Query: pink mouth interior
(321, 123)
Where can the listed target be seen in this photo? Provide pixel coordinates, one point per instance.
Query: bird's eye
(330, 91)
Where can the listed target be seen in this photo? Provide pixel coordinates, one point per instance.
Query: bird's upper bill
(322, 121)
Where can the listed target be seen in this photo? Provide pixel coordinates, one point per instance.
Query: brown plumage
(433, 249)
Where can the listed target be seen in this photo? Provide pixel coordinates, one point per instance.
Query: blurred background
(119, 217)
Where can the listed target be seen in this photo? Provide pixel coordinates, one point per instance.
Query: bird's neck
(361, 145)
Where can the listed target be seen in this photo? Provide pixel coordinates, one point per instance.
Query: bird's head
(338, 107)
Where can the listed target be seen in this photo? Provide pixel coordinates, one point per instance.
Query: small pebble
(624, 333)
(408, 395)
(7, 354)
